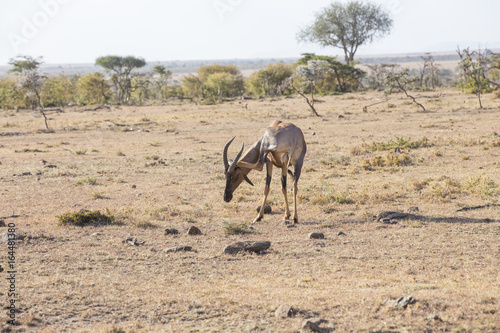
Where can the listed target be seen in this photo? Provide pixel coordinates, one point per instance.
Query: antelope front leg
(269, 170)
(295, 217)
(284, 172)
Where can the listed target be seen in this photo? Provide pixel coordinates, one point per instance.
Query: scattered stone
(413, 209)
(284, 311)
(316, 235)
(51, 166)
(267, 209)
(134, 186)
(23, 174)
(193, 231)
(389, 221)
(133, 241)
(171, 231)
(399, 303)
(391, 215)
(4, 237)
(312, 325)
(248, 246)
(341, 233)
(434, 317)
(96, 234)
(179, 249)
(43, 162)
(2, 223)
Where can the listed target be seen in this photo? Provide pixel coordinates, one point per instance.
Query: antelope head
(234, 174)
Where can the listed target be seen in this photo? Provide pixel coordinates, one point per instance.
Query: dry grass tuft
(83, 218)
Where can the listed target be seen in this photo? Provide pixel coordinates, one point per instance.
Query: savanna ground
(157, 167)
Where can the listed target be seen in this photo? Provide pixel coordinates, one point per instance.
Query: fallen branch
(464, 209)
(365, 108)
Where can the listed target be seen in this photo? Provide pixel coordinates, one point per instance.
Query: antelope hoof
(295, 220)
(257, 219)
(286, 217)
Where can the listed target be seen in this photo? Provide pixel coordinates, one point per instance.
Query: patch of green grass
(98, 195)
(81, 151)
(28, 150)
(87, 180)
(231, 228)
(84, 217)
(399, 143)
(154, 144)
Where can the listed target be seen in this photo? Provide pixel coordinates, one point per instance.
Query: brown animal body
(283, 146)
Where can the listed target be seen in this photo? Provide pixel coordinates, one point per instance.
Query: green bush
(84, 217)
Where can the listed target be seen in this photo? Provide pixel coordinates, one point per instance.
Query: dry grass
(85, 279)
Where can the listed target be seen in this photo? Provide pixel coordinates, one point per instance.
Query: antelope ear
(248, 180)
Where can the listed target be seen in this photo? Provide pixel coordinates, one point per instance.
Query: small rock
(96, 234)
(316, 235)
(248, 246)
(51, 166)
(134, 186)
(183, 248)
(284, 311)
(391, 215)
(4, 237)
(389, 221)
(399, 303)
(171, 231)
(193, 231)
(267, 209)
(312, 325)
(412, 209)
(132, 241)
(341, 233)
(434, 317)
(2, 223)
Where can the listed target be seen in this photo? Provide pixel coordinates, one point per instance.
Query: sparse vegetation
(87, 180)
(231, 228)
(203, 289)
(84, 218)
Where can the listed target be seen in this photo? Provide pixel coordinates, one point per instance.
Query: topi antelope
(281, 145)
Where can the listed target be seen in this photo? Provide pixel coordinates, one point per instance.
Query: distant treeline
(130, 79)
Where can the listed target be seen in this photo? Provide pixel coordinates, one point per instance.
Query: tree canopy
(25, 63)
(347, 26)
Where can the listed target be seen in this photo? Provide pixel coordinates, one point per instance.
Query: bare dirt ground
(157, 167)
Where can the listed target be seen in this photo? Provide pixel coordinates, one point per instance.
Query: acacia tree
(24, 63)
(339, 77)
(429, 72)
(29, 82)
(347, 26)
(400, 82)
(121, 69)
(479, 70)
(309, 74)
(161, 80)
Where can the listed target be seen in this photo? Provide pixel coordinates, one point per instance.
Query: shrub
(85, 217)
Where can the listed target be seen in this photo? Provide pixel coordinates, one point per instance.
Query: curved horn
(235, 162)
(224, 155)
(248, 180)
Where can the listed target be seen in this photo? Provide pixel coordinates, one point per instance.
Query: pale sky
(79, 31)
